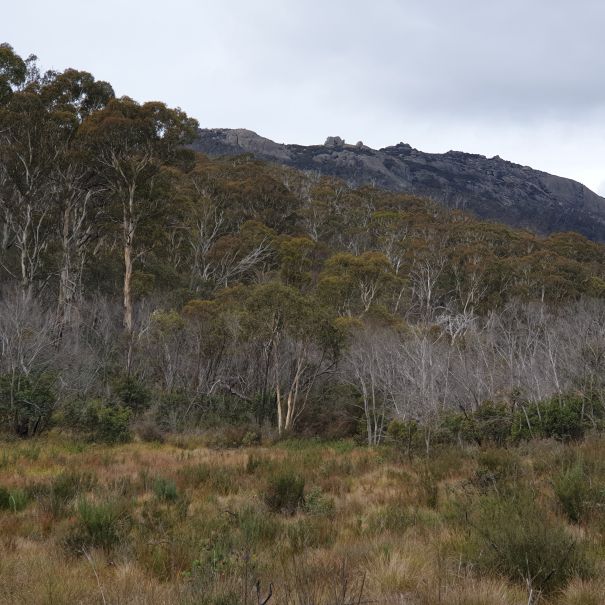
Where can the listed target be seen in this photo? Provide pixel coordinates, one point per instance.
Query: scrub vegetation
(309, 521)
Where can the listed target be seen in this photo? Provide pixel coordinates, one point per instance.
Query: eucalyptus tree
(32, 137)
(300, 340)
(13, 71)
(136, 147)
(46, 185)
(78, 191)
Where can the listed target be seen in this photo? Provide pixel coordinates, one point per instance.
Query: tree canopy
(237, 283)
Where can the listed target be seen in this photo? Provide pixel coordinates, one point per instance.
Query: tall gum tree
(28, 145)
(76, 94)
(132, 144)
(45, 184)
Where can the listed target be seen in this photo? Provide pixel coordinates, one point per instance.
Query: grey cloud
(480, 75)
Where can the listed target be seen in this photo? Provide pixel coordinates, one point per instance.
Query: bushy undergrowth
(14, 500)
(165, 490)
(285, 493)
(104, 422)
(65, 488)
(99, 525)
(515, 537)
(565, 418)
(575, 492)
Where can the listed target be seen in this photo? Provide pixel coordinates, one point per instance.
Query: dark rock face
(491, 188)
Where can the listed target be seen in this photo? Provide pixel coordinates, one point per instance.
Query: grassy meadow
(311, 522)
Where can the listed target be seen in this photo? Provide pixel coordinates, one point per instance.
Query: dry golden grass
(191, 526)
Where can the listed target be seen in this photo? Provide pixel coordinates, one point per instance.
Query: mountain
(491, 188)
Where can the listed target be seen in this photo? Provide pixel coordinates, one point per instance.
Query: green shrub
(574, 492)
(512, 536)
(257, 527)
(131, 393)
(490, 422)
(165, 490)
(14, 500)
(65, 487)
(497, 468)
(318, 503)
(170, 412)
(27, 402)
(100, 525)
(561, 417)
(285, 493)
(112, 424)
(100, 421)
(429, 488)
(493, 422)
(405, 435)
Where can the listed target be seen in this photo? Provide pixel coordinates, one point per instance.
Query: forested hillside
(490, 188)
(146, 286)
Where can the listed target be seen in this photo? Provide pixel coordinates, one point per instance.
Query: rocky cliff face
(491, 188)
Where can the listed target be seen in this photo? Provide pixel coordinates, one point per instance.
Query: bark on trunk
(129, 228)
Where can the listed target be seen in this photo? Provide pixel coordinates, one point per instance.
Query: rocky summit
(491, 188)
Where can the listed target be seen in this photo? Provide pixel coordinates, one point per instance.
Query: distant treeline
(142, 282)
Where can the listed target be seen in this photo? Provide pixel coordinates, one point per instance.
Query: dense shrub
(64, 488)
(257, 526)
(493, 422)
(574, 492)
(174, 412)
(27, 402)
(112, 424)
(338, 420)
(100, 525)
(560, 417)
(497, 468)
(285, 493)
(131, 393)
(318, 503)
(514, 537)
(14, 500)
(99, 420)
(404, 434)
(490, 422)
(165, 490)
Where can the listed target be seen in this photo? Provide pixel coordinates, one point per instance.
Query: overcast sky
(523, 79)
